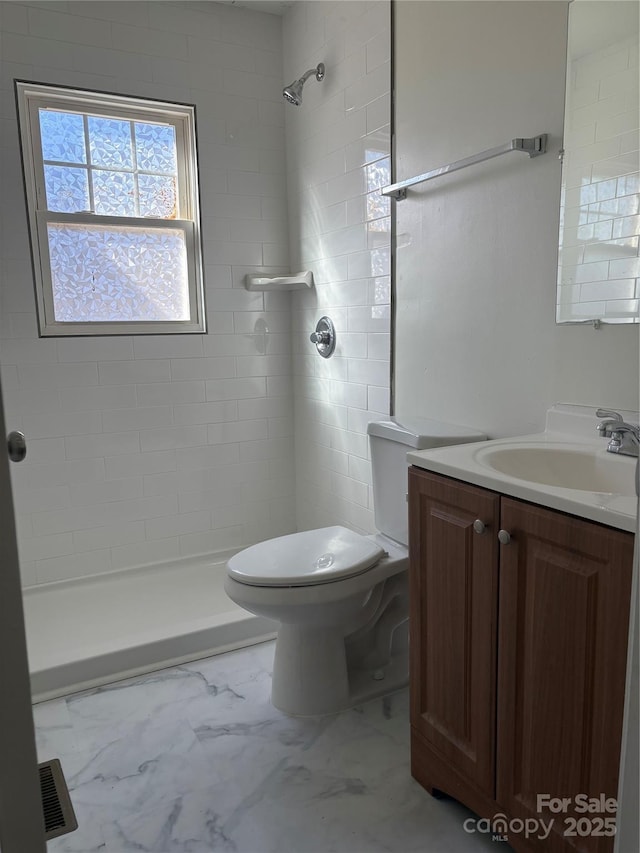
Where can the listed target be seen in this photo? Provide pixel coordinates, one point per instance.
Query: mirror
(598, 263)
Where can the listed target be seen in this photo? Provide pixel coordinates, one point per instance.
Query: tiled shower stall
(156, 450)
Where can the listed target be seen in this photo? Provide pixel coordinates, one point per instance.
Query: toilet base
(309, 671)
(314, 674)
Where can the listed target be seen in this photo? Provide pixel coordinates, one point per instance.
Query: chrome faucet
(623, 438)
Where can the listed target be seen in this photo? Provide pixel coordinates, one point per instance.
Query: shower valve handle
(320, 338)
(324, 337)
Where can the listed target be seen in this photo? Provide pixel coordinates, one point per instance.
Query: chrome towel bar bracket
(534, 146)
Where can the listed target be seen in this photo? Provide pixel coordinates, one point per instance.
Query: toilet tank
(390, 442)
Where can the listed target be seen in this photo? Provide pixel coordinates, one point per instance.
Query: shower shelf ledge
(261, 281)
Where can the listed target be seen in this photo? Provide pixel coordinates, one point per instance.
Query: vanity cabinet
(518, 654)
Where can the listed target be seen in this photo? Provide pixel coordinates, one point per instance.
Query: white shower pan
(91, 631)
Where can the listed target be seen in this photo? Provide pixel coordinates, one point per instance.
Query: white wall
(338, 144)
(153, 448)
(476, 341)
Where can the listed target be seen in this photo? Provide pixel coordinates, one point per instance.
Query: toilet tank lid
(422, 433)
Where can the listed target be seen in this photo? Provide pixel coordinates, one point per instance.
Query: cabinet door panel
(453, 573)
(564, 602)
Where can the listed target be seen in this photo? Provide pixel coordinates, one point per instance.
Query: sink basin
(584, 470)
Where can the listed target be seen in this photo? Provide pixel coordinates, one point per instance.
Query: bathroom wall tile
(166, 483)
(138, 464)
(204, 413)
(242, 430)
(173, 437)
(202, 368)
(103, 444)
(132, 372)
(179, 525)
(109, 535)
(45, 547)
(369, 372)
(62, 473)
(93, 349)
(238, 389)
(42, 376)
(155, 43)
(273, 448)
(73, 566)
(136, 419)
(14, 18)
(217, 478)
(170, 393)
(28, 400)
(98, 398)
(54, 424)
(265, 365)
(211, 456)
(144, 553)
(265, 407)
(167, 346)
(27, 501)
(379, 399)
(83, 494)
(69, 28)
(27, 352)
(211, 541)
(212, 499)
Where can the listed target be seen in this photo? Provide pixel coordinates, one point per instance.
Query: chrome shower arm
(318, 71)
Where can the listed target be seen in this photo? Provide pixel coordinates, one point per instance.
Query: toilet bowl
(341, 598)
(319, 666)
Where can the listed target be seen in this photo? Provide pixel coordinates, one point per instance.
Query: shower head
(293, 93)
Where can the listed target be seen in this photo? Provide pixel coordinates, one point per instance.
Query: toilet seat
(305, 559)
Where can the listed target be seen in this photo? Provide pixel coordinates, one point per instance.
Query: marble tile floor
(194, 758)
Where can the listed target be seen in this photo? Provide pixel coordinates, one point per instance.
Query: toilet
(341, 598)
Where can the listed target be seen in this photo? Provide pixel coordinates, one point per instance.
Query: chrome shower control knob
(479, 526)
(324, 337)
(504, 537)
(320, 338)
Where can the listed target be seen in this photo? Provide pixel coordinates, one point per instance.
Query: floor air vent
(59, 817)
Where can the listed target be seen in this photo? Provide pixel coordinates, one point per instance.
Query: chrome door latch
(16, 446)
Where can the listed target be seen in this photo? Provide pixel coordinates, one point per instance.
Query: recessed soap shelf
(261, 281)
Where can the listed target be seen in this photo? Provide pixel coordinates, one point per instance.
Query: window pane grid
(120, 139)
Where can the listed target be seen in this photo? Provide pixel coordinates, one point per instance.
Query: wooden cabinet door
(453, 594)
(564, 606)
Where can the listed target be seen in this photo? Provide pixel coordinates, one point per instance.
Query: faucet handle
(608, 413)
(608, 425)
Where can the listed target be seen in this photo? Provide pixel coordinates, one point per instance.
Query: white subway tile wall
(338, 156)
(147, 449)
(599, 224)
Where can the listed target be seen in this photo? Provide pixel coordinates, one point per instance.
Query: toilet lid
(301, 559)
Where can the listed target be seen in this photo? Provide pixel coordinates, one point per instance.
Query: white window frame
(33, 96)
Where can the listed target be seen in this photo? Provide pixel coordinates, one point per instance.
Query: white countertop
(568, 427)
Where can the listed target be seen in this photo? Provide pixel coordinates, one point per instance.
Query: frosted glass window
(114, 193)
(156, 148)
(103, 274)
(113, 205)
(157, 196)
(110, 143)
(67, 188)
(62, 137)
